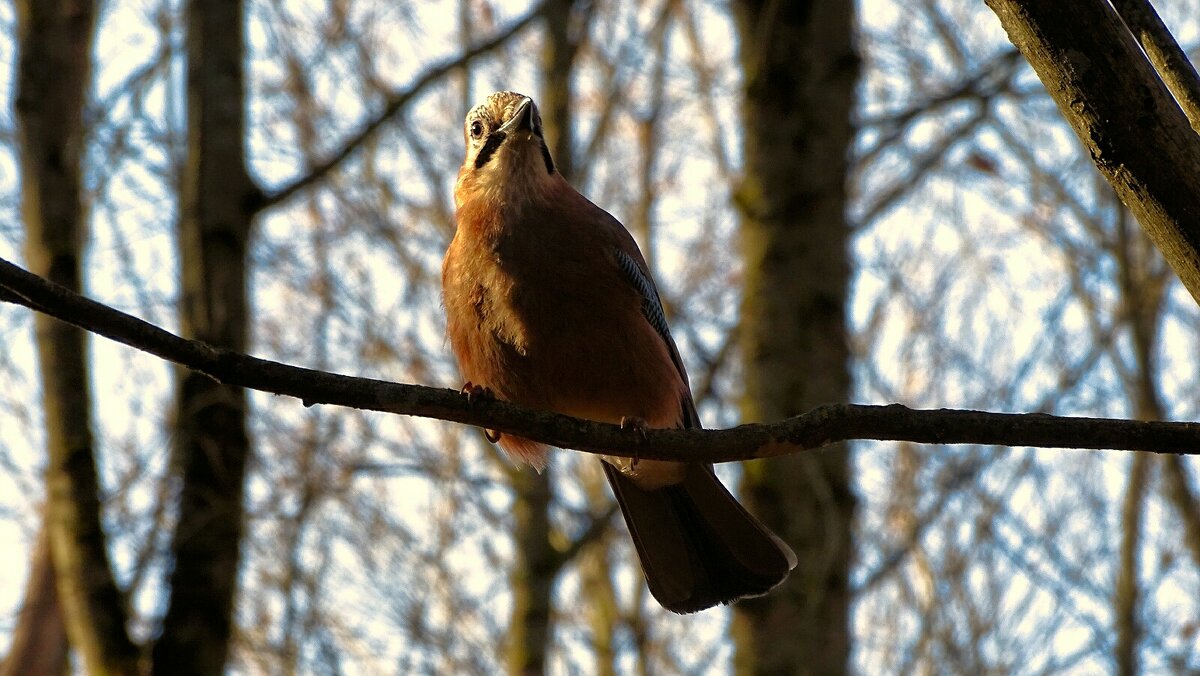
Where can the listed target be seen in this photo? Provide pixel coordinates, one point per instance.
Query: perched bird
(549, 304)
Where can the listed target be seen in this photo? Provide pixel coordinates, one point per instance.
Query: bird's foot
(639, 427)
(476, 393)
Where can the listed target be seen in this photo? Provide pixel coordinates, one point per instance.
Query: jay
(550, 304)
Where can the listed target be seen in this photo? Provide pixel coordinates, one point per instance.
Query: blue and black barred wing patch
(652, 310)
(651, 305)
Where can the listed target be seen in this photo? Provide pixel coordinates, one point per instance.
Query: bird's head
(507, 156)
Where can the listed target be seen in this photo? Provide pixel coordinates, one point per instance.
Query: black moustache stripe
(546, 156)
(489, 148)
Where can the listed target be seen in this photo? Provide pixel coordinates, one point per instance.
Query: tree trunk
(533, 574)
(1142, 290)
(800, 69)
(1126, 604)
(39, 644)
(211, 441)
(54, 72)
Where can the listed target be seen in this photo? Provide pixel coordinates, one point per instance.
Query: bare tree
(212, 444)
(55, 49)
(792, 202)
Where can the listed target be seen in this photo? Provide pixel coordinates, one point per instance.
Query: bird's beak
(522, 119)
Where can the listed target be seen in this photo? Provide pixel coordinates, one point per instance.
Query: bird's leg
(639, 427)
(480, 393)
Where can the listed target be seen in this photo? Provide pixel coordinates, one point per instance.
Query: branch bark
(821, 426)
(1126, 119)
(1165, 54)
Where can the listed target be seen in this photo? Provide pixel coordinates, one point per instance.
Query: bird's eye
(476, 129)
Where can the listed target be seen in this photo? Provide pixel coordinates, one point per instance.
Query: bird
(550, 305)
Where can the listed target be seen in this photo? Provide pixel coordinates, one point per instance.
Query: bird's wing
(633, 268)
(652, 307)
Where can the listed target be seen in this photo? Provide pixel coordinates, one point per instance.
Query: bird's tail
(697, 545)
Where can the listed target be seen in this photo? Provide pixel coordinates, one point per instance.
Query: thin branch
(1126, 119)
(821, 426)
(992, 80)
(1165, 54)
(395, 103)
(922, 164)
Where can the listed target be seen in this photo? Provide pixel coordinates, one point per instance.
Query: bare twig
(821, 426)
(395, 103)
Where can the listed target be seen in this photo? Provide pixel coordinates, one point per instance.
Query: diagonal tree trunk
(211, 441)
(54, 72)
(799, 68)
(1097, 73)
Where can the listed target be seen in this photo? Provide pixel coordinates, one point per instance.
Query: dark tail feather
(697, 545)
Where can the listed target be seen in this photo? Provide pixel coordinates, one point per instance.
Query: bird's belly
(613, 376)
(591, 356)
(602, 366)
(587, 357)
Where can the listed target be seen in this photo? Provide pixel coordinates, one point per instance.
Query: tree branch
(823, 425)
(1165, 54)
(395, 103)
(1128, 122)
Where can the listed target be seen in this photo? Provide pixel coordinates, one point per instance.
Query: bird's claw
(639, 427)
(476, 393)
